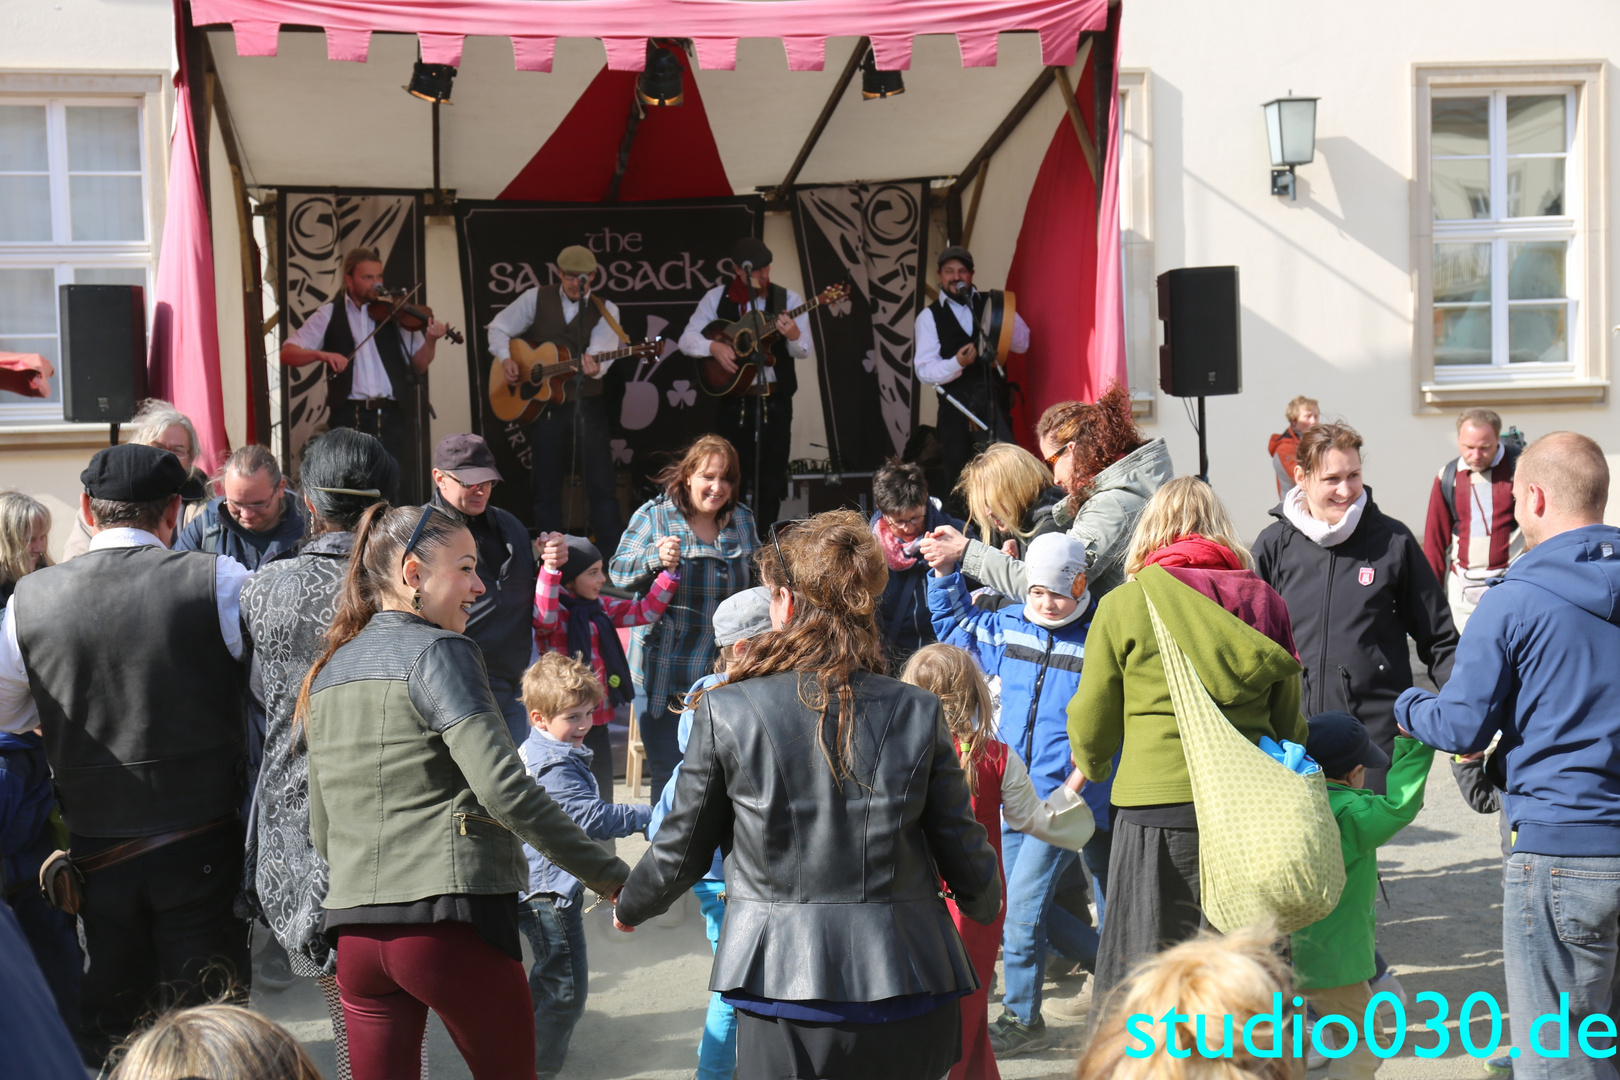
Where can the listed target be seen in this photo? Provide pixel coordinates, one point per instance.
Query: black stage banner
(655, 261)
(874, 237)
(317, 228)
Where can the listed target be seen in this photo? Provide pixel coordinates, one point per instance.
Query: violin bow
(401, 302)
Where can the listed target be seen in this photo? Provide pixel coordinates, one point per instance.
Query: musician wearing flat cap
(129, 659)
(947, 356)
(568, 314)
(371, 368)
(750, 287)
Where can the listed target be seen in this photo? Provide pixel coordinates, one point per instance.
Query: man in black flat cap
(751, 262)
(946, 356)
(129, 660)
(501, 621)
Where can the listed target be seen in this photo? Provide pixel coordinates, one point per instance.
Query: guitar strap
(607, 316)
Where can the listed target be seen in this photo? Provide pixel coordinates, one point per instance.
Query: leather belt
(371, 404)
(118, 853)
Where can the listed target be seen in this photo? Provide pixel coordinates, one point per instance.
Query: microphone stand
(761, 391)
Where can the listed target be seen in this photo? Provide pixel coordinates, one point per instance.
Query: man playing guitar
(945, 354)
(736, 419)
(376, 392)
(568, 315)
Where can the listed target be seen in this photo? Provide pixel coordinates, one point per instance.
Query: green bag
(1268, 846)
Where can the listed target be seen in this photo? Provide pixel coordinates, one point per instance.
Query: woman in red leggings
(420, 805)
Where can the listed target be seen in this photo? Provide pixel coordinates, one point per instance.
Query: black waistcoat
(980, 377)
(139, 698)
(340, 339)
(787, 380)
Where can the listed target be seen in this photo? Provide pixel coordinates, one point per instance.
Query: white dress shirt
(17, 709)
(370, 377)
(693, 343)
(518, 316)
(934, 368)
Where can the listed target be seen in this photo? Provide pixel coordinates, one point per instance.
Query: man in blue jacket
(1540, 662)
(256, 520)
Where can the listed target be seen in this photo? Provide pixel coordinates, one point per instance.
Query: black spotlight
(431, 82)
(879, 84)
(660, 83)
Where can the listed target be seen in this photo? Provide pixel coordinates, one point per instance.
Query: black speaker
(103, 352)
(1202, 354)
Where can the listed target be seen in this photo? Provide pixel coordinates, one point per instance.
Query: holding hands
(553, 550)
(669, 552)
(943, 549)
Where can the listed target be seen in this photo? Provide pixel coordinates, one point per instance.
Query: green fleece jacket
(1124, 699)
(1338, 950)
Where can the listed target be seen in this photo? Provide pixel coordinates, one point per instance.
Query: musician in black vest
(129, 660)
(377, 393)
(738, 415)
(946, 356)
(578, 429)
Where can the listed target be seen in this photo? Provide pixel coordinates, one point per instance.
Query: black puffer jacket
(832, 889)
(1352, 606)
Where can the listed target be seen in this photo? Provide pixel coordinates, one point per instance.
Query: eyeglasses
(907, 524)
(1051, 459)
(776, 531)
(488, 485)
(581, 278)
(240, 508)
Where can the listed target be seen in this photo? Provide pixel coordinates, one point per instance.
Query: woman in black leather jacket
(837, 949)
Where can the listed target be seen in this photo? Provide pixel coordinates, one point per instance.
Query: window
(1506, 231)
(1140, 289)
(73, 210)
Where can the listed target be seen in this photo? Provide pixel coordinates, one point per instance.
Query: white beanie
(1053, 561)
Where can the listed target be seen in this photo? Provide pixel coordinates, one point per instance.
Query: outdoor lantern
(878, 84)
(431, 82)
(1291, 130)
(660, 83)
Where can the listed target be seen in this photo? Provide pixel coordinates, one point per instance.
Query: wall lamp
(1291, 131)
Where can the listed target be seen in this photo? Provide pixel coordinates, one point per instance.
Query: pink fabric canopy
(26, 373)
(624, 26)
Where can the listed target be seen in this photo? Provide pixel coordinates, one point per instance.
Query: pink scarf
(891, 545)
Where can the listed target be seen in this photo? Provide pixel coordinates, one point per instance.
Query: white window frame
(1584, 377)
(1139, 288)
(143, 91)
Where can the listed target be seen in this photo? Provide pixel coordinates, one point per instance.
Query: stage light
(431, 82)
(879, 84)
(660, 83)
(1291, 132)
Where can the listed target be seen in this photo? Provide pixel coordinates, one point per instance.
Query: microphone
(747, 266)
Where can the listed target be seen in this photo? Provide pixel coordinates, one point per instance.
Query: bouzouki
(751, 337)
(543, 374)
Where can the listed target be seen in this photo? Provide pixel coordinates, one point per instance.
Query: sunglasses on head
(776, 532)
(416, 536)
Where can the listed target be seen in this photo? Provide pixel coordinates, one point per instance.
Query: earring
(416, 601)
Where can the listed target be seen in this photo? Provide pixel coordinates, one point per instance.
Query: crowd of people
(884, 751)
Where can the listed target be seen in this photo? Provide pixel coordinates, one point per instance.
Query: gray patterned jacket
(286, 609)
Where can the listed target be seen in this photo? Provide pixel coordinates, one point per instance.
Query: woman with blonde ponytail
(1002, 791)
(840, 798)
(420, 806)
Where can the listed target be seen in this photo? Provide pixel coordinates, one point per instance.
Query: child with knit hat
(572, 617)
(1036, 648)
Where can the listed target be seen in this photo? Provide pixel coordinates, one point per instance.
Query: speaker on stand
(103, 353)
(1202, 354)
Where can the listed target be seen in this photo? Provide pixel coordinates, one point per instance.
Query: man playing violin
(737, 415)
(371, 388)
(946, 356)
(568, 315)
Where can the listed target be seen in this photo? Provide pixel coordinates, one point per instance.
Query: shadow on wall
(1374, 199)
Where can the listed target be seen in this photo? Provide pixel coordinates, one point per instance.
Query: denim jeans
(559, 980)
(717, 1052)
(1560, 925)
(1033, 868)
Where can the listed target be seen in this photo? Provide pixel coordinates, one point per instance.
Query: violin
(407, 316)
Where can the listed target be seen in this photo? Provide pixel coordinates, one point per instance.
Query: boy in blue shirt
(561, 694)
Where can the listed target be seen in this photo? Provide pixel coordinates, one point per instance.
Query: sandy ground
(1440, 929)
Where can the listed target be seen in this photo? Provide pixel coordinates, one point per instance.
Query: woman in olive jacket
(837, 950)
(420, 805)
(1357, 583)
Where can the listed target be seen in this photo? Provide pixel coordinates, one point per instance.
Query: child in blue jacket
(561, 695)
(1036, 648)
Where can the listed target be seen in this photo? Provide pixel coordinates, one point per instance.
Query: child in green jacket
(1333, 958)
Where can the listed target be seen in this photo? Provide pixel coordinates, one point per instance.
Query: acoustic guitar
(543, 374)
(751, 337)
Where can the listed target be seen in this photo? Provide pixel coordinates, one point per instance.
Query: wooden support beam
(1087, 146)
(973, 207)
(1004, 129)
(784, 189)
